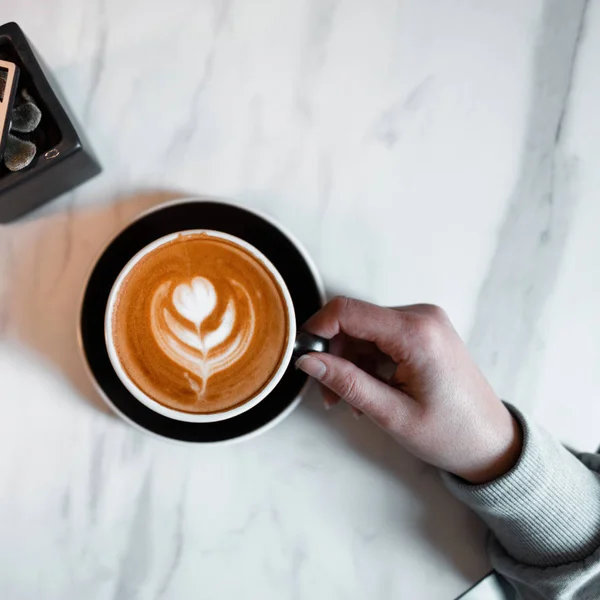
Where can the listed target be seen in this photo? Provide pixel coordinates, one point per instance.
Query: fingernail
(356, 414)
(328, 405)
(311, 366)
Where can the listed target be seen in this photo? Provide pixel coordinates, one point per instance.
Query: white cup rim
(144, 398)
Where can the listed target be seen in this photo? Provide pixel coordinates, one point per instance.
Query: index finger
(361, 320)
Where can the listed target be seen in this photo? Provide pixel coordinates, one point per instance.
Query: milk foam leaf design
(195, 300)
(200, 353)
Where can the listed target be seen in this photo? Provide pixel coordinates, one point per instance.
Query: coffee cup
(177, 342)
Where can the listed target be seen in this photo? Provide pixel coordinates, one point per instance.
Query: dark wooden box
(64, 159)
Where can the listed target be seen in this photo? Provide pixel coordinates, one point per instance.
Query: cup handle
(306, 342)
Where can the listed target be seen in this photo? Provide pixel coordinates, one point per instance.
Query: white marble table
(424, 150)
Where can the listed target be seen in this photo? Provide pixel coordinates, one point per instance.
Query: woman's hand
(433, 398)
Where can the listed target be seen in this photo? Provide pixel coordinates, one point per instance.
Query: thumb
(366, 393)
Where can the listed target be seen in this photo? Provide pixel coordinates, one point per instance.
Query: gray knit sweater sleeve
(544, 515)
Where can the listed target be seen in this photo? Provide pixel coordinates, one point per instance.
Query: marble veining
(531, 239)
(422, 151)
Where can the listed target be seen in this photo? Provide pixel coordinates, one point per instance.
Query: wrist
(502, 458)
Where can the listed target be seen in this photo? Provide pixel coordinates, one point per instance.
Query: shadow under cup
(294, 346)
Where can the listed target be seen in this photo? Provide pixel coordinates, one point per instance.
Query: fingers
(415, 330)
(357, 414)
(363, 354)
(364, 392)
(356, 318)
(330, 398)
(337, 346)
(386, 327)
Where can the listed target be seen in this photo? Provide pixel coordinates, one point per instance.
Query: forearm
(544, 513)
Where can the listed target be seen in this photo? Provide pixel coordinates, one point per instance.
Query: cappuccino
(200, 325)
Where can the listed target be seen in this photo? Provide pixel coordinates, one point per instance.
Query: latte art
(200, 325)
(177, 320)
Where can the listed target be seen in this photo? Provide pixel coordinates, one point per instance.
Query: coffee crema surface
(200, 325)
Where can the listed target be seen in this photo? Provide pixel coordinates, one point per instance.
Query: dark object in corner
(64, 159)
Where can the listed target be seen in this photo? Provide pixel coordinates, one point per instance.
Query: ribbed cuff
(546, 510)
